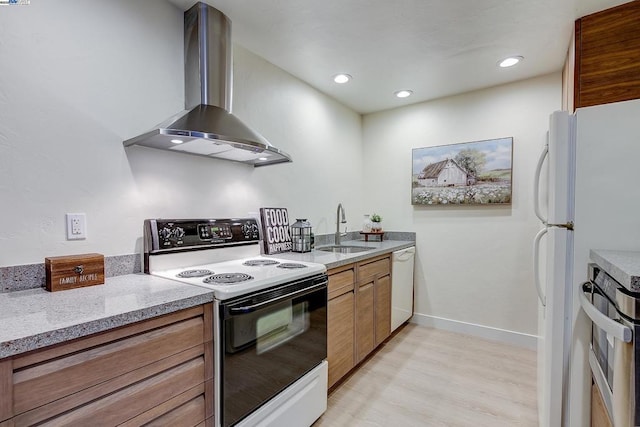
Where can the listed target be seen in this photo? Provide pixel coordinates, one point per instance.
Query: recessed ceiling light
(403, 93)
(510, 62)
(262, 158)
(177, 141)
(341, 78)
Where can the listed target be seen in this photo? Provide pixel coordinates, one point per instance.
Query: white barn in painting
(445, 173)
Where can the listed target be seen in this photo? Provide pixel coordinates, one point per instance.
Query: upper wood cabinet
(607, 57)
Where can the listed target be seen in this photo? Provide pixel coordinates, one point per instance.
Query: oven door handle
(253, 307)
(610, 326)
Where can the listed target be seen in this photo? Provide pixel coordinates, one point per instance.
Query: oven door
(269, 340)
(611, 355)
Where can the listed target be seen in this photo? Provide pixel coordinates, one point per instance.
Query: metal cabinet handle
(603, 322)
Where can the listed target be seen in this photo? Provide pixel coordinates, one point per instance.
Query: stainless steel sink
(344, 249)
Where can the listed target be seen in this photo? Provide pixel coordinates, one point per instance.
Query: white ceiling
(436, 48)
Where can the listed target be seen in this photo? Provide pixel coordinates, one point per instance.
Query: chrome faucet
(338, 222)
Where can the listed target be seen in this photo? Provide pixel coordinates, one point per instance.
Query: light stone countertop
(333, 260)
(37, 318)
(624, 266)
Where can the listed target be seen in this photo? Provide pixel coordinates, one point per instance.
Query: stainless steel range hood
(206, 127)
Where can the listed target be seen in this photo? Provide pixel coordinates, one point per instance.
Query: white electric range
(270, 319)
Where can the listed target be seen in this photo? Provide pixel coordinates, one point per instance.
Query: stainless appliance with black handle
(614, 354)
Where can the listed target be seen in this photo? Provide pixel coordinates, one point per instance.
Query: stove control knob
(178, 232)
(166, 233)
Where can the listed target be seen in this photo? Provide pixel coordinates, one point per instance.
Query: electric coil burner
(269, 320)
(291, 265)
(228, 279)
(187, 274)
(260, 262)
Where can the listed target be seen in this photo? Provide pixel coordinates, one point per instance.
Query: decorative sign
(275, 230)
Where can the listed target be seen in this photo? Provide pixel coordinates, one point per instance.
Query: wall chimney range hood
(206, 127)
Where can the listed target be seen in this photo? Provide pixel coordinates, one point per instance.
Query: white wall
(79, 77)
(473, 263)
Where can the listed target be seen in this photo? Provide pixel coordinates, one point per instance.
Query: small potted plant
(376, 223)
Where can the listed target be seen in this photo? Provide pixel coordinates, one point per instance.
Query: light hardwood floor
(429, 377)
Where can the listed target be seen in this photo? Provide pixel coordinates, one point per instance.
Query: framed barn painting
(471, 173)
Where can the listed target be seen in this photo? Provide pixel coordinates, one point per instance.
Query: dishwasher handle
(404, 254)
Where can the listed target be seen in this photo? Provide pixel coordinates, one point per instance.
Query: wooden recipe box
(73, 271)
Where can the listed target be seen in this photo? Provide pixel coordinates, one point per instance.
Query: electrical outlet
(76, 226)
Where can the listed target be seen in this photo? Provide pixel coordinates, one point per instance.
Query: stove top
(229, 279)
(220, 254)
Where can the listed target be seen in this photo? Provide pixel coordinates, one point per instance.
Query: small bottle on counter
(366, 224)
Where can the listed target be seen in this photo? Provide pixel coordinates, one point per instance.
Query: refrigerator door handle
(610, 326)
(536, 265)
(536, 183)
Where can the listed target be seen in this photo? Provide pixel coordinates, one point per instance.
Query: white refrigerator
(587, 196)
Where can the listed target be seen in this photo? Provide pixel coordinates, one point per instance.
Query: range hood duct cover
(206, 127)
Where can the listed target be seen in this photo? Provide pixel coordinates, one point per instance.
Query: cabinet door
(6, 390)
(383, 309)
(340, 327)
(608, 56)
(365, 320)
(599, 415)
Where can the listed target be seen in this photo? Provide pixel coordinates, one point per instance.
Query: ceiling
(435, 48)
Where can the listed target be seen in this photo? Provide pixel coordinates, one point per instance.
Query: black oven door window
(270, 340)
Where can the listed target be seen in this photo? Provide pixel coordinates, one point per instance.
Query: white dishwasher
(402, 286)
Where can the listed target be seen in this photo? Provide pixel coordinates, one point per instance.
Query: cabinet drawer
(366, 272)
(53, 379)
(125, 404)
(186, 409)
(341, 282)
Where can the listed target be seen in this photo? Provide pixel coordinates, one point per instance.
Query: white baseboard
(494, 334)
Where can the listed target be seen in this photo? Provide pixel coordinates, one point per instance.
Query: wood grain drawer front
(340, 327)
(341, 282)
(51, 380)
(128, 403)
(367, 272)
(186, 409)
(114, 385)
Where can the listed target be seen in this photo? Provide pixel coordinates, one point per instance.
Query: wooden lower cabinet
(358, 313)
(383, 309)
(365, 318)
(340, 322)
(154, 372)
(340, 327)
(599, 414)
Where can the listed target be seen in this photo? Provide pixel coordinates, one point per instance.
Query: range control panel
(173, 234)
